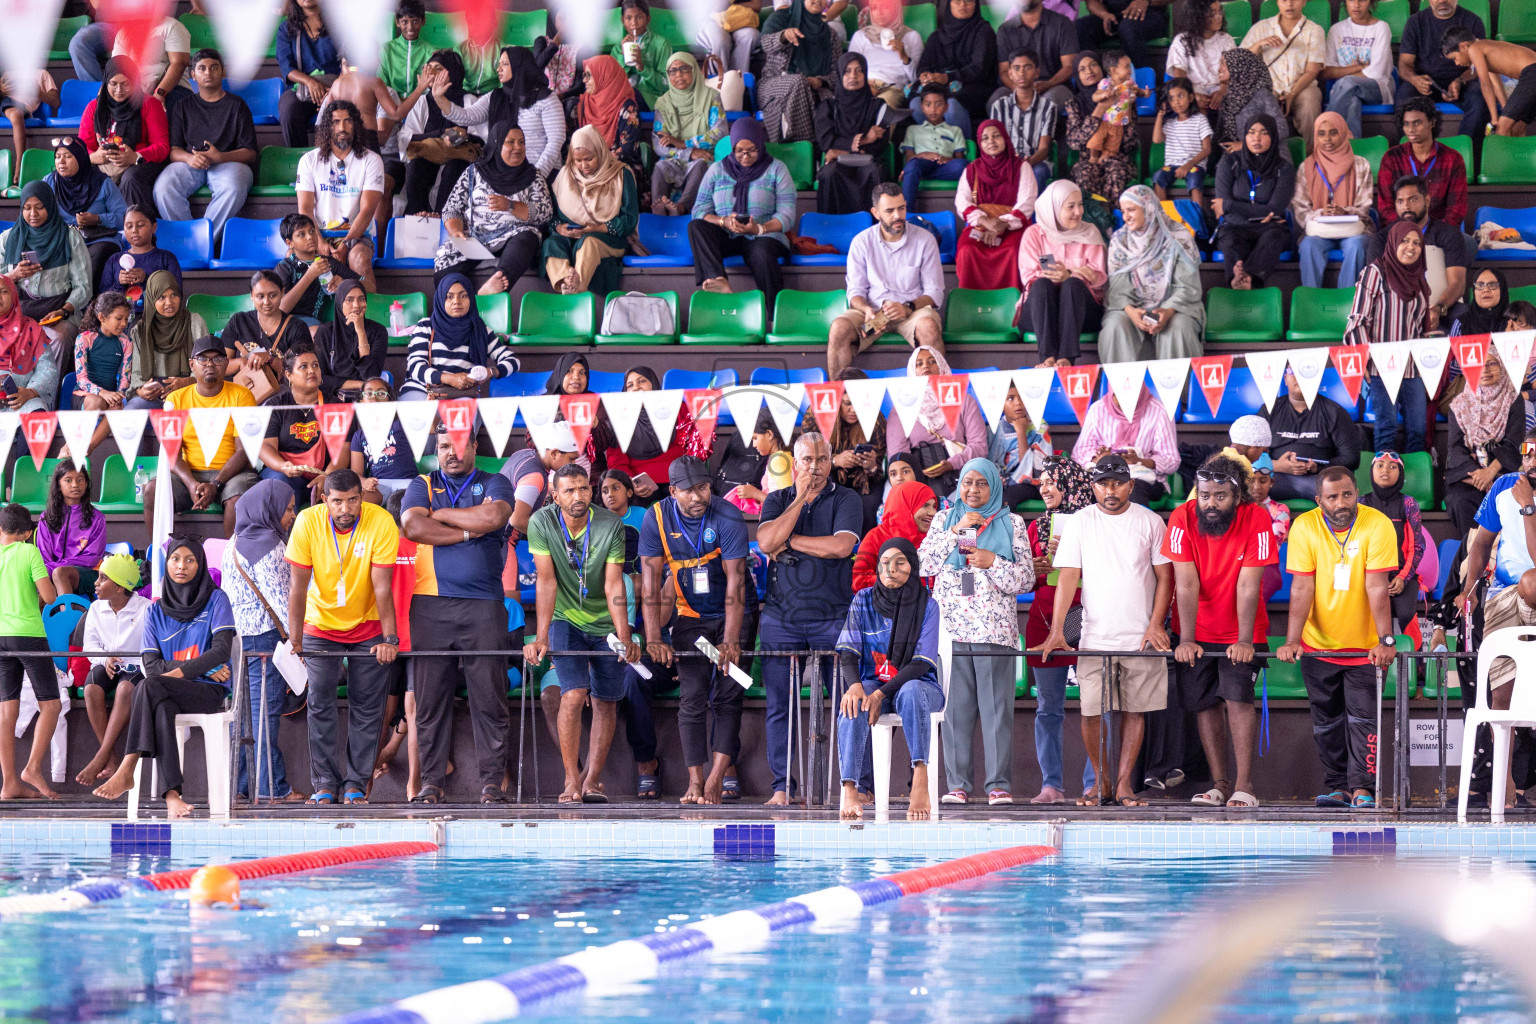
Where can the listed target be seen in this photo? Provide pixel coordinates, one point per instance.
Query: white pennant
(375, 420)
(25, 43)
(907, 399)
(127, 430)
(250, 427)
(1034, 384)
(1391, 360)
(866, 397)
(1308, 364)
(661, 408)
(991, 389)
(1125, 382)
(497, 416)
(623, 413)
(1268, 369)
(784, 404)
(77, 428)
(1168, 379)
(1515, 353)
(362, 27)
(539, 410)
(416, 421)
(241, 27)
(1431, 355)
(743, 402)
(210, 424)
(10, 422)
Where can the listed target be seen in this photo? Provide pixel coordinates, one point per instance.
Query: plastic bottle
(326, 277)
(140, 482)
(397, 325)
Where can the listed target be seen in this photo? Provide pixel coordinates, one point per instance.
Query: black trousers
(101, 252)
(516, 258)
(703, 688)
(461, 624)
(1343, 699)
(1015, 493)
(297, 117)
(712, 244)
(1461, 501)
(421, 175)
(1521, 102)
(1257, 246)
(1058, 314)
(1132, 35)
(138, 186)
(98, 677)
(152, 722)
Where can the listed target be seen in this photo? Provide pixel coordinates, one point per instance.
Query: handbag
(38, 307)
(283, 658)
(932, 453)
(262, 382)
(301, 89)
(443, 391)
(441, 151)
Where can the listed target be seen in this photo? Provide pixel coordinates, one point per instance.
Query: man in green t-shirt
(579, 553)
(23, 579)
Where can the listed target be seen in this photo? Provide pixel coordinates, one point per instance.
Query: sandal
(999, 796)
(1242, 799)
(731, 791)
(1213, 797)
(492, 795)
(321, 796)
(429, 795)
(1364, 801)
(649, 790)
(955, 796)
(354, 796)
(1338, 798)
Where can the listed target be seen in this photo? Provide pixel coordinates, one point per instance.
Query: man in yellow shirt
(198, 479)
(1341, 556)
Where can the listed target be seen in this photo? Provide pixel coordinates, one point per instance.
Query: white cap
(558, 436)
(1252, 431)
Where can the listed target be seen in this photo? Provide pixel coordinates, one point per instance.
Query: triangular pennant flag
(784, 403)
(1034, 384)
(1125, 382)
(482, 18)
(135, 20)
(661, 408)
(949, 390)
(25, 43)
(241, 25)
(10, 422)
(1268, 369)
(1472, 352)
(335, 426)
(623, 408)
(1349, 360)
(416, 420)
(991, 390)
(362, 27)
(743, 402)
(170, 427)
(703, 409)
(1308, 364)
(1431, 355)
(458, 418)
(77, 428)
(580, 411)
(826, 401)
(1078, 382)
(906, 400)
(866, 397)
(375, 420)
(1391, 359)
(251, 428)
(538, 410)
(497, 416)
(1212, 374)
(127, 430)
(210, 426)
(1515, 353)
(38, 428)
(1168, 379)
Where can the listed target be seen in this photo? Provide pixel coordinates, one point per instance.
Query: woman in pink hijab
(1063, 271)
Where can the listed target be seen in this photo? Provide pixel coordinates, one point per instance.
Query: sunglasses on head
(1206, 476)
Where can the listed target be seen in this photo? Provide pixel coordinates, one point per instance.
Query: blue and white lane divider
(632, 960)
(76, 897)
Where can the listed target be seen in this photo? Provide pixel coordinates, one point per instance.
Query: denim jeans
(1165, 177)
(1348, 95)
(1313, 255)
(89, 50)
(230, 183)
(915, 702)
(1051, 691)
(777, 634)
(266, 699)
(602, 673)
(918, 169)
(1412, 402)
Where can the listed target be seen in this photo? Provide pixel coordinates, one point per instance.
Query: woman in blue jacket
(308, 60)
(88, 199)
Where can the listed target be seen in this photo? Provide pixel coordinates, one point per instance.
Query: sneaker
(954, 796)
(999, 796)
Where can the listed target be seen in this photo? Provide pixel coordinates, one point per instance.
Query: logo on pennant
(1168, 378)
(1125, 382)
(1308, 364)
(826, 401)
(580, 411)
(38, 428)
(458, 418)
(1078, 382)
(335, 426)
(661, 408)
(362, 27)
(1472, 352)
(704, 409)
(170, 427)
(1391, 360)
(1268, 370)
(1212, 374)
(949, 390)
(1349, 360)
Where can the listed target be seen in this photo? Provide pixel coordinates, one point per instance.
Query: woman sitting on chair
(597, 208)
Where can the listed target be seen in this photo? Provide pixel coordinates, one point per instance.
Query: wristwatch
(392, 640)
(1387, 641)
(1528, 510)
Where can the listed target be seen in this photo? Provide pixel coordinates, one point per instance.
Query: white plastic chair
(880, 754)
(218, 740)
(1517, 643)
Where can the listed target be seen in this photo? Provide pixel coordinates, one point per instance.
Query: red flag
(1212, 373)
(580, 411)
(38, 428)
(1350, 361)
(335, 426)
(826, 401)
(704, 408)
(1078, 382)
(136, 19)
(170, 426)
(1471, 352)
(482, 18)
(949, 389)
(458, 416)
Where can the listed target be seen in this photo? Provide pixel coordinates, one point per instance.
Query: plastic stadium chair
(73, 97)
(1394, 13)
(515, 385)
(1315, 10)
(921, 18)
(778, 375)
(29, 486)
(830, 229)
(1239, 17)
(1282, 680)
(443, 31)
(277, 171)
(1481, 9)
(1448, 551)
(556, 320)
(389, 261)
(1463, 145)
(66, 392)
(496, 311)
(1239, 399)
(1522, 220)
(521, 28)
(1297, 147)
(1507, 161)
(732, 319)
(190, 240)
(799, 159)
(1418, 472)
(805, 318)
(118, 492)
(36, 164)
(945, 225)
(1232, 315)
(1517, 644)
(1373, 148)
(981, 317)
(63, 32)
(217, 309)
(1517, 22)
(1284, 593)
(644, 339)
(667, 240)
(1146, 106)
(261, 95)
(1318, 314)
(250, 245)
(414, 307)
(688, 380)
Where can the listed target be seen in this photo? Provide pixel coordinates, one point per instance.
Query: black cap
(1111, 467)
(687, 472)
(208, 344)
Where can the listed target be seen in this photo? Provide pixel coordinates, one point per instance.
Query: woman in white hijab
(1153, 307)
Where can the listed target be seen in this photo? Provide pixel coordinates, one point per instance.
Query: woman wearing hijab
(610, 107)
(856, 459)
(961, 55)
(889, 648)
(253, 570)
(1108, 176)
(646, 462)
(597, 208)
(556, 55)
(162, 343)
(88, 199)
(996, 199)
(977, 590)
(1487, 428)
(1386, 496)
(351, 348)
(909, 511)
(1062, 268)
(25, 354)
(126, 133)
(690, 119)
(853, 139)
(523, 99)
(60, 280)
(801, 53)
(1250, 92)
(428, 131)
(1487, 312)
(891, 50)
(188, 635)
(1254, 186)
(447, 345)
(503, 203)
(572, 375)
(1154, 295)
(745, 204)
(1392, 304)
(940, 449)
(1333, 182)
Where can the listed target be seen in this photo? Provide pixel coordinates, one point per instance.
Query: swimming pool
(1035, 942)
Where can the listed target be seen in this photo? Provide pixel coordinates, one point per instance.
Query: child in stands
(72, 535)
(1186, 138)
(23, 581)
(1279, 516)
(129, 270)
(308, 282)
(1120, 89)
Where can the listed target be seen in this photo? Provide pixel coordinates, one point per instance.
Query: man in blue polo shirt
(809, 531)
(458, 518)
(702, 541)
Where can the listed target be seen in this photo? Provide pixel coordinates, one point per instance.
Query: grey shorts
(228, 492)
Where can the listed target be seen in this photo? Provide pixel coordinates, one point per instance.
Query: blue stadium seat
(1448, 551)
(190, 240)
(1146, 106)
(1522, 220)
(1332, 387)
(74, 95)
(1284, 593)
(515, 385)
(776, 375)
(261, 95)
(666, 238)
(1240, 399)
(605, 380)
(895, 371)
(66, 391)
(250, 245)
(946, 224)
(388, 260)
(830, 229)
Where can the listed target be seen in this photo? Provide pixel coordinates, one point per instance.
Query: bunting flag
(703, 409)
(416, 420)
(135, 20)
(1471, 352)
(127, 430)
(1431, 355)
(335, 426)
(1125, 383)
(1391, 359)
(241, 27)
(906, 400)
(1168, 379)
(375, 420)
(497, 416)
(1034, 384)
(362, 27)
(1350, 361)
(623, 408)
(866, 397)
(826, 402)
(1268, 369)
(482, 19)
(784, 402)
(580, 411)
(743, 403)
(1308, 364)
(1514, 348)
(991, 390)
(10, 422)
(661, 408)
(251, 428)
(170, 425)
(210, 425)
(77, 428)
(1078, 383)
(1212, 374)
(25, 43)
(38, 428)
(949, 391)
(538, 410)
(458, 418)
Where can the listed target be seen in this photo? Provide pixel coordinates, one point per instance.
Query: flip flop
(354, 796)
(429, 795)
(322, 796)
(954, 796)
(1364, 801)
(492, 795)
(594, 797)
(731, 792)
(1338, 798)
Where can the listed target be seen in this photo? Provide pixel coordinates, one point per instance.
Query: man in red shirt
(1219, 544)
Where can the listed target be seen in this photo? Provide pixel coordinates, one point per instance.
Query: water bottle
(326, 277)
(140, 482)
(397, 325)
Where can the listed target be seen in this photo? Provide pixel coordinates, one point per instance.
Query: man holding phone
(1308, 440)
(213, 143)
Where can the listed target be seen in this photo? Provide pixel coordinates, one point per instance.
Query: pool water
(1022, 945)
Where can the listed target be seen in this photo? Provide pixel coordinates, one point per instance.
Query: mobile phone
(202, 147)
(30, 256)
(1047, 260)
(8, 386)
(863, 449)
(967, 542)
(638, 477)
(1148, 321)
(111, 147)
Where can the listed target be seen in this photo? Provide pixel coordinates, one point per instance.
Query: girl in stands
(72, 534)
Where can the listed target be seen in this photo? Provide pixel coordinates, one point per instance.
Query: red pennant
(136, 19)
(1350, 361)
(458, 416)
(826, 401)
(949, 389)
(1471, 351)
(38, 428)
(1212, 374)
(335, 426)
(1078, 383)
(482, 18)
(170, 427)
(704, 408)
(580, 411)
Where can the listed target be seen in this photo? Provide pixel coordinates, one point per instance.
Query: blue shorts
(603, 673)
(1165, 176)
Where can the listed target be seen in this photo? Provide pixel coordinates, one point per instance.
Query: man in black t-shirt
(213, 143)
(1423, 70)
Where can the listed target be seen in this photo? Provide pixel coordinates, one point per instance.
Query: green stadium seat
(1239, 14)
(217, 309)
(521, 28)
(1481, 9)
(1155, 163)
(64, 32)
(1517, 22)
(277, 172)
(496, 311)
(1431, 672)
(1315, 10)
(805, 318)
(443, 30)
(644, 339)
(1318, 314)
(1526, 293)
(1419, 473)
(1463, 145)
(29, 485)
(203, 35)
(1297, 146)
(36, 164)
(415, 308)
(118, 493)
(1506, 161)
(547, 319)
(1393, 12)
(1232, 315)
(924, 18)
(995, 14)
(981, 317)
(799, 159)
(731, 319)
(1282, 680)
(1373, 148)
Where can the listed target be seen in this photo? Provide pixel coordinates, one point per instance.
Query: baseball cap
(1252, 431)
(559, 437)
(208, 344)
(1263, 464)
(1111, 467)
(687, 472)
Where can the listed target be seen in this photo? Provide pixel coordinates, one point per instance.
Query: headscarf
(746, 129)
(599, 197)
(76, 193)
(854, 111)
(994, 180)
(685, 112)
(997, 535)
(1483, 414)
(1048, 212)
(1267, 163)
(50, 242)
(601, 105)
(1339, 167)
(958, 40)
(1082, 95)
(258, 520)
(162, 345)
(1247, 77)
(1478, 320)
(21, 339)
(336, 342)
(1405, 281)
(1150, 255)
(186, 601)
(901, 507)
(504, 179)
(563, 367)
(456, 331)
(643, 443)
(126, 119)
(1389, 500)
(872, 32)
(454, 65)
(527, 86)
(905, 606)
(1071, 479)
(928, 411)
(813, 56)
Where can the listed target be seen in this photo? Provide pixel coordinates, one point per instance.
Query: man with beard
(340, 185)
(1219, 545)
(1340, 557)
(1411, 202)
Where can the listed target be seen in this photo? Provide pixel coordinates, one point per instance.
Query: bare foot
(918, 807)
(714, 786)
(175, 806)
(293, 797)
(570, 795)
(120, 782)
(1048, 795)
(17, 792)
(39, 782)
(496, 285)
(1091, 798)
(779, 799)
(718, 285)
(866, 799)
(93, 772)
(852, 807)
(694, 795)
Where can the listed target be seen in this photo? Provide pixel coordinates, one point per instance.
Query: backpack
(638, 313)
(1097, 212)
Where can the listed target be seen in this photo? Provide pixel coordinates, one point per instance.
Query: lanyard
(1253, 186)
(698, 545)
(341, 562)
(1331, 185)
(454, 495)
(1427, 167)
(586, 547)
(1342, 546)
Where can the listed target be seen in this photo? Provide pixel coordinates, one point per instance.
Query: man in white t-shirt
(1114, 548)
(340, 185)
(166, 62)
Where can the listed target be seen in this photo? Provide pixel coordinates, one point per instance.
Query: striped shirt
(429, 359)
(1182, 139)
(1025, 127)
(1379, 315)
